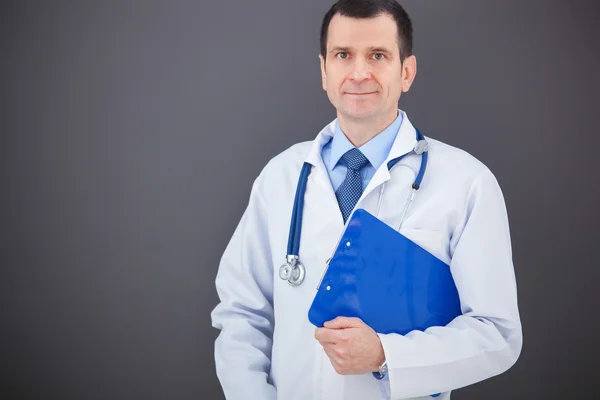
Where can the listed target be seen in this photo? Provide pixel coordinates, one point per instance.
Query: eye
(378, 56)
(342, 55)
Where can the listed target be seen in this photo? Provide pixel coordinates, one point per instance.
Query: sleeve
(486, 339)
(245, 313)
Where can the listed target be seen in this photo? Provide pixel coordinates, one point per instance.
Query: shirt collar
(339, 146)
(402, 141)
(375, 150)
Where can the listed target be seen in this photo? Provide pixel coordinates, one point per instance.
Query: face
(362, 73)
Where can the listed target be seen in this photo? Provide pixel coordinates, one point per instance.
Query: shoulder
(452, 156)
(290, 159)
(455, 163)
(292, 155)
(457, 175)
(284, 168)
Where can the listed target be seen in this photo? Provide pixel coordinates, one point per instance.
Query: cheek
(394, 85)
(334, 84)
(335, 77)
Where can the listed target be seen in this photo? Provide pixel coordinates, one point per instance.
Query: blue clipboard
(386, 280)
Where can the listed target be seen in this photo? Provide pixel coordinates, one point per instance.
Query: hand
(351, 345)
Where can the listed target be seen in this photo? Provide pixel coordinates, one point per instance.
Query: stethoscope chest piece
(292, 271)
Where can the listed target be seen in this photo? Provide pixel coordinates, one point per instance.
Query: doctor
(267, 349)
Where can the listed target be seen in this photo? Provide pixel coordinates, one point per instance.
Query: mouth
(360, 94)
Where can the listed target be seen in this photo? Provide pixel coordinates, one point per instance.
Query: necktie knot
(354, 159)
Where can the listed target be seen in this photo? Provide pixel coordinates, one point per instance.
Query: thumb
(343, 322)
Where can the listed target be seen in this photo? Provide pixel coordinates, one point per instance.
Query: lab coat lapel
(404, 143)
(314, 156)
(320, 177)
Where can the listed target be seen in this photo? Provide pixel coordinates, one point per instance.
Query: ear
(323, 73)
(409, 71)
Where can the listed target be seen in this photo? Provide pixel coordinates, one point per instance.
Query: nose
(360, 70)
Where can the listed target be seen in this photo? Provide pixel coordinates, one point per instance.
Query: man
(267, 348)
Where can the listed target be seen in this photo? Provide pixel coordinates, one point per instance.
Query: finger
(332, 360)
(325, 335)
(344, 322)
(330, 351)
(339, 364)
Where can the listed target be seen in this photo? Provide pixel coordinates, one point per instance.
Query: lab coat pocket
(430, 240)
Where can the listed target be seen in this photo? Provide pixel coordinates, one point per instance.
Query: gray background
(131, 133)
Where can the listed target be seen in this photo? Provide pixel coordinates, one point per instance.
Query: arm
(486, 340)
(245, 314)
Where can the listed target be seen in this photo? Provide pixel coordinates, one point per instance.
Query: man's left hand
(351, 345)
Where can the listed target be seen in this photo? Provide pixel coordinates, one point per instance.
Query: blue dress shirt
(376, 150)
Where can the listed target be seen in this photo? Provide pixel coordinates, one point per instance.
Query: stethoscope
(293, 271)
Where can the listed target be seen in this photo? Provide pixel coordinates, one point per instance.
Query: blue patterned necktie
(351, 189)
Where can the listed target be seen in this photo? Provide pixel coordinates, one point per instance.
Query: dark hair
(372, 9)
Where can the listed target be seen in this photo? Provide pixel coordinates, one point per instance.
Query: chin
(360, 111)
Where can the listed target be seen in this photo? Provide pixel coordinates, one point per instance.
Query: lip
(360, 94)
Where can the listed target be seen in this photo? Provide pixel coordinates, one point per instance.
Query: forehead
(361, 33)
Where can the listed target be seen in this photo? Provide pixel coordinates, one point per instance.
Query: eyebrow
(340, 49)
(380, 50)
(371, 49)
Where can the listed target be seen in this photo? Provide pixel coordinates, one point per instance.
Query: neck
(360, 131)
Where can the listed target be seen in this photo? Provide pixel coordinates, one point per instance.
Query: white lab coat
(267, 350)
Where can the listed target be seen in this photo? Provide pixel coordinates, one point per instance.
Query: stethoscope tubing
(289, 271)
